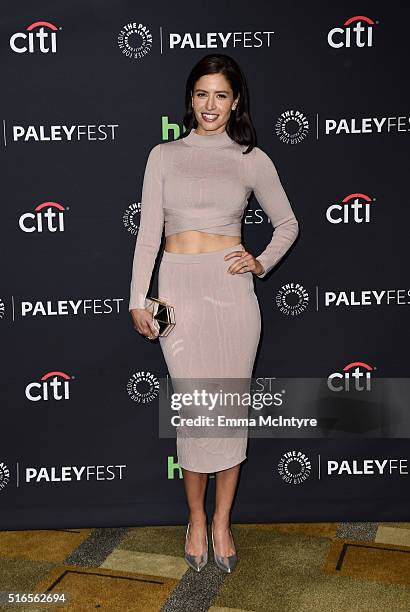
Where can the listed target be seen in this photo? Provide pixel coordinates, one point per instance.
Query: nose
(210, 103)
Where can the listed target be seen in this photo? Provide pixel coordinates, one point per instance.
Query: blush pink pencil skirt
(216, 336)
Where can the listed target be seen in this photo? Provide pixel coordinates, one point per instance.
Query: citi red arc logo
(48, 216)
(356, 32)
(354, 208)
(53, 385)
(40, 37)
(351, 377)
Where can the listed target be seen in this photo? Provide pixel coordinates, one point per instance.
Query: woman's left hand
(245, 263)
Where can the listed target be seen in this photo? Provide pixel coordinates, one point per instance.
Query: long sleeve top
(203, 183)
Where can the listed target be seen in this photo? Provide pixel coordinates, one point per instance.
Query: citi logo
(354, 208)
(53, 385)
(43, 40)
(356, 32)
(48, 216)
(354, 376)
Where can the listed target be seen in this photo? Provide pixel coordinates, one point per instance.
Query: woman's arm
(274, 202)
(150, 230)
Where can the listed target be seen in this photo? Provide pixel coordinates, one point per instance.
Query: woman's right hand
(143, 322)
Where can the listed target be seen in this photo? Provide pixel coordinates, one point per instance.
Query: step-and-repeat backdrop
(88, 88)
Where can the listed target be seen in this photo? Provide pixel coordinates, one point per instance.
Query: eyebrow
(220, 91)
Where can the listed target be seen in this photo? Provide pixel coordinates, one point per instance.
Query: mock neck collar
(208, 140)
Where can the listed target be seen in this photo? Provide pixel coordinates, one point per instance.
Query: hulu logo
(170, 127)
(174, 471)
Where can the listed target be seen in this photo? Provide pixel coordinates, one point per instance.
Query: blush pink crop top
(203, 183)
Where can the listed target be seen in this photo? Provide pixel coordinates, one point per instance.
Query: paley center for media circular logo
(292, 299)
(135, 40)
(4, 475)
(131, 218)
(294, 467)
(143, 387)
(292, 126)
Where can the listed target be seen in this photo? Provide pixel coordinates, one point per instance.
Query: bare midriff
(193, 241)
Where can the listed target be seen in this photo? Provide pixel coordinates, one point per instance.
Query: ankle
(197, 517)
(221, 520)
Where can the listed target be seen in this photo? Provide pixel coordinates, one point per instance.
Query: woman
(198, 187)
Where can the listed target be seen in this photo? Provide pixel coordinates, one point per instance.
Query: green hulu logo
(174, 471)
(168, 127)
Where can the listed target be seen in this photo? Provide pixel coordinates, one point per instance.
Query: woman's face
(212, 102)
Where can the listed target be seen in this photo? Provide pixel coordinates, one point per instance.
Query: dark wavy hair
(239, 126)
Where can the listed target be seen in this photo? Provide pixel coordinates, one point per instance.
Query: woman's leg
(195, 486)
(226, 483)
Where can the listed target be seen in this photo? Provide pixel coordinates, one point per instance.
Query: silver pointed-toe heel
(197, 562)
(224, 563)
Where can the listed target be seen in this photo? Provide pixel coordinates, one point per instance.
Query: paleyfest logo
(62, 133)
(367, 297)
(295, 467)
(221, 40)
(53, 385)
(354, 208)
(356, 32)
(366, 125)
(48, 216)
(73, 473)
(39, 37)
(367, 467)
(355, 376)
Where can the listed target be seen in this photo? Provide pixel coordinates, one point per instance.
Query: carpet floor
(282, 567)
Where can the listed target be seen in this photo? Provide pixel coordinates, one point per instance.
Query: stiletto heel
(226, 564)
(197, 562)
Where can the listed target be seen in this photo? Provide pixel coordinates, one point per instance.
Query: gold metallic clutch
(163, 315)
